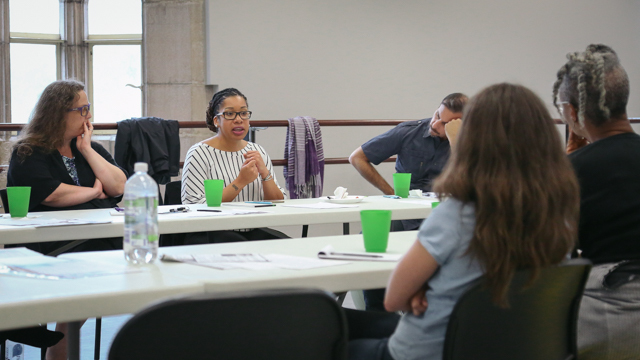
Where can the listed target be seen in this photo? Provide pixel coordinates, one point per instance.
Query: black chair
(540, 324)
(5, 200)
(172, 197)
(172, 193)
(273, 324)
(37, 336)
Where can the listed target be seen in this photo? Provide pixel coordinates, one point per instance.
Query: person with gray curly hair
(591, 94)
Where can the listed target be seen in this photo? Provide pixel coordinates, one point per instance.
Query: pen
(265, 205)
(259, 202)
(119, 209)
(362, 255)
(210, 210)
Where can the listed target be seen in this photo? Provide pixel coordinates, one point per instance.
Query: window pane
(35, 16)
(115, 66)
(115, 17)
(33, 67)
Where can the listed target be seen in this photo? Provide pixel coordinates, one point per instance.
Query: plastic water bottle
(140, 217)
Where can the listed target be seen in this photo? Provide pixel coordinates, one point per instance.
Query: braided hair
(595, 83)
(217, 100)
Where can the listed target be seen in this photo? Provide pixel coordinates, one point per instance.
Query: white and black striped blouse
(205, 162)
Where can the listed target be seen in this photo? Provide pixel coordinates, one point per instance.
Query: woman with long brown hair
(55, 156)
(512, 203)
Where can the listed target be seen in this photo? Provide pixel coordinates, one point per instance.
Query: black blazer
(44, 172)
(151, 140)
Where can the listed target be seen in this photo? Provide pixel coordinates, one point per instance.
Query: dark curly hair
(214, 105)
(47, 125)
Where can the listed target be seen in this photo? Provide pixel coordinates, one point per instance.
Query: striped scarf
(304, 172)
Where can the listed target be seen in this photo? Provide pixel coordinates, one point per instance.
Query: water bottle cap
(141, 166)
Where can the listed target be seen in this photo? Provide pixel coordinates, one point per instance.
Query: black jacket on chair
(151, 140)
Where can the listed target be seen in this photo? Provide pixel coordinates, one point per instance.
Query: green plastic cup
(401, 184)
(213, 191)
(435, 204)
(18, 200)
(375, 229)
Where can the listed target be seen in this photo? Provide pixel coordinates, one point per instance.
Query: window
(107, 57)
(34, 52)
(115, 41)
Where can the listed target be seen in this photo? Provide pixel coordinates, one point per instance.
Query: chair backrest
(5, 200)
(172, 194)
(541, 322)
(278, 324)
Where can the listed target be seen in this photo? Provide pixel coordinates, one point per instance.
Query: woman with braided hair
(591, 94)
(244, 166)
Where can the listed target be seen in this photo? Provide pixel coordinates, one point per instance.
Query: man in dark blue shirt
(422, 149)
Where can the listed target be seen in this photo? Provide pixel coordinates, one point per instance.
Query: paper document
(215, 258)
(329, 253)
(425, 202)
(322, 205)
(252, 204)
(17, 252)
(251, 261)
(47, 267)
(199, 213)
(49, 222)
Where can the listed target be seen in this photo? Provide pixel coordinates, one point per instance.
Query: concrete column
(74, 49)
(5, 70)
(174, 59)
(173, 48)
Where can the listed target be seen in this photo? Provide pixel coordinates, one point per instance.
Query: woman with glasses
(591, 94)
(55, 156)
(244, 166)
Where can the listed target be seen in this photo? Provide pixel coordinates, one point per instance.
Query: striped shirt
(205, 162)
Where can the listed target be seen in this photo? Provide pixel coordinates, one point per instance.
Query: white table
(278, 215)
(353, 276)
(27, 302)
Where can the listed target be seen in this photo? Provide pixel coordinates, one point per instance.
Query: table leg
(73, 340)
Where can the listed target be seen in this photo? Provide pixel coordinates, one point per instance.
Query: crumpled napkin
(340, 193)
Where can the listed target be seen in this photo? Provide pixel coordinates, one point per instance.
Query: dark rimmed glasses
(84, 110)
(231, 115)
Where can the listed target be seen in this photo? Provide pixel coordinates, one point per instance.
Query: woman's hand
(419, 302)
(408, 278)
(83, 142)
(97, 186)
(575, 142)
(257, 157)
(248, 172)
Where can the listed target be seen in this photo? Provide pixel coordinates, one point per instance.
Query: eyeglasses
(84, 110)
(231, 115)
(561, 106)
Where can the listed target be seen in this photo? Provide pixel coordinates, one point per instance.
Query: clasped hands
(252, 167)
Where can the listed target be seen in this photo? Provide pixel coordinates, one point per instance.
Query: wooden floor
(110, 326)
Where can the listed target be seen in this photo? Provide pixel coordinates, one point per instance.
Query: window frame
(71, 13)
(117, 39)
